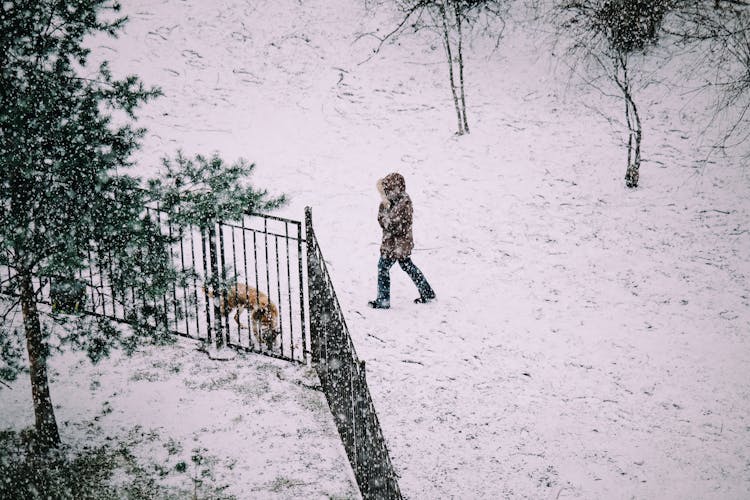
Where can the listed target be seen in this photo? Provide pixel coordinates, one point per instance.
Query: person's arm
(383, 216)
(398, 219)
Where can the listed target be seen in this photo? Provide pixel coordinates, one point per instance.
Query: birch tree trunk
(633, 173)
(449, 55)
(461, 66)
(633, 119)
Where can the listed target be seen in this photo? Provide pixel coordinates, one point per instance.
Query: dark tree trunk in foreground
(46, 425)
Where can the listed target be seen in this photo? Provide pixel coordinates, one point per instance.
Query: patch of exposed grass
(107, 471)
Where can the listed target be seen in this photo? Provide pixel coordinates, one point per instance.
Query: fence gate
(259, 259)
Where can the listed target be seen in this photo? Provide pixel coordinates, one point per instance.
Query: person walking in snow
(395, 217)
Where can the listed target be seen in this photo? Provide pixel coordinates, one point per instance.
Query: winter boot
(423, 299)
(380, 304)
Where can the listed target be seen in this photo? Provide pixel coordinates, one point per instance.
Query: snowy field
(588, 341)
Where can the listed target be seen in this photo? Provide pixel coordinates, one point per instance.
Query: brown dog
(262, 312)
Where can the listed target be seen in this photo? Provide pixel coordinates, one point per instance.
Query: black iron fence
(342, 376)
(231, 272)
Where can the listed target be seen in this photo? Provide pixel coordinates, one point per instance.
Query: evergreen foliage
(207, 190)
(63, 200)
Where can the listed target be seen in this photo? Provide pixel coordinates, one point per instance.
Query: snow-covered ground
(588, 341)
(259, 426)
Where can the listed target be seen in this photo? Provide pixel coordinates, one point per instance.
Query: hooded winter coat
(395, 217)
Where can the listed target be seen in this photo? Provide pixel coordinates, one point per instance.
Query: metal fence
(260, 253)
(342, 376)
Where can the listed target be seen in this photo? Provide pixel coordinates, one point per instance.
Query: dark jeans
(384, 277)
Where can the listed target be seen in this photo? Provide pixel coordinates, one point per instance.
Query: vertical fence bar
(101, 281)
(219, 293)
(90, 280)
(300, 259)
(206, 284)
(191, 230)
(185, 288)
(289, 293)
(142, 253)
(224, 289)
(278, 293)
(172, 259)
(236, 287)
(165, 301)
(257, 287)
(112, 287)
(247, 281)
(313, 299)
(268, 273)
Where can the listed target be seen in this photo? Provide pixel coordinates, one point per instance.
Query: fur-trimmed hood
(393, 185)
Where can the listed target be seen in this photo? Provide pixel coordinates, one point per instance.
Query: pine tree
(62, 199)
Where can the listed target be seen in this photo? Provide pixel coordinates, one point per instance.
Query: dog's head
(264, 316)
(269, 337)
(266, 319)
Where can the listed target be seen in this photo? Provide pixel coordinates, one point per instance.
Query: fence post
(314, 290)
(305, 350)
(206, 286)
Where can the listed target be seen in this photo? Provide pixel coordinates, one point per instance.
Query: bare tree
(612, 34)
(720, 31)
(449, 19)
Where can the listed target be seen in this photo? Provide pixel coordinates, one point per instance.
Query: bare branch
(11, 309)
(414, 9)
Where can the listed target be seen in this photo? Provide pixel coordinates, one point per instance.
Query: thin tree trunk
(638, 138)
(630, 131)
(449, 54)
(632, 173)
(634, 163)
(461, 66)
(46, 425)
